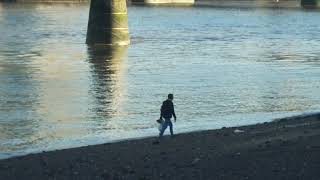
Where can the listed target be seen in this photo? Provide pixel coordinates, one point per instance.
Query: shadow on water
(19, 98)
(108, 66)
(19, 91)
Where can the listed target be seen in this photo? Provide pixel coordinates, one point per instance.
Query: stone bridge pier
(310, 3)
(108, 23)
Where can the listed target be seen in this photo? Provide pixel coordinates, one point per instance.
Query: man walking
(167, 111)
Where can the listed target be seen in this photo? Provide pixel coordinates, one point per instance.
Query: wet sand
(284, 149)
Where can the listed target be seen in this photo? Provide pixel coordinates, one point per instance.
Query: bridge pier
(108, 23)
(309, 3)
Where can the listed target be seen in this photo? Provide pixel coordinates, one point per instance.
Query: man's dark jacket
(167, 109)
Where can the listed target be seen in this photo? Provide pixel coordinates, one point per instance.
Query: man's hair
(170, 96)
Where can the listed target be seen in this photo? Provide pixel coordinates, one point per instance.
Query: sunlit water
(226, 67)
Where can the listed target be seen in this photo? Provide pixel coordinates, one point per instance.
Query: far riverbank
(208, 3)
(250, 3)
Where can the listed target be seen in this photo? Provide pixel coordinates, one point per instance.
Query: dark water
(226, 67)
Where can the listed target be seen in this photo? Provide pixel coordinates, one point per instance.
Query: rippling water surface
(226, 67)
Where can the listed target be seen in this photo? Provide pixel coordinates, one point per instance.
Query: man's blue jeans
(166, 123)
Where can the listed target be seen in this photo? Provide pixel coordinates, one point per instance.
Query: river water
(225, 66)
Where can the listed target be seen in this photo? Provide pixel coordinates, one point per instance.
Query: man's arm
(161, 111)
(173, 113)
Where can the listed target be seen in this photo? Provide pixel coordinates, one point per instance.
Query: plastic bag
(159, 123)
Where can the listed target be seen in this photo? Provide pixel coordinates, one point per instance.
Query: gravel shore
(283, 149)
